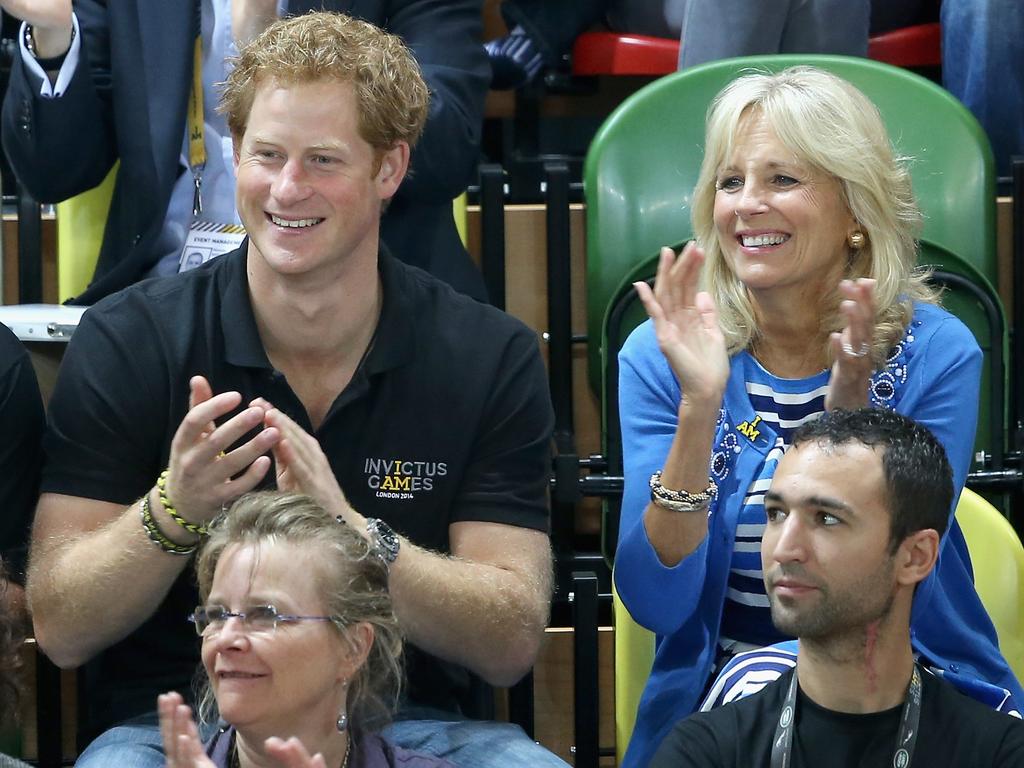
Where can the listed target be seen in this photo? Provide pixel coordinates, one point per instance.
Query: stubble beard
(839, 619)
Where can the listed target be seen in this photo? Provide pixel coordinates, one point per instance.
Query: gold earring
(856, 240)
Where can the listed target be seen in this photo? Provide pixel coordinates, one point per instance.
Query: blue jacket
(932, 375)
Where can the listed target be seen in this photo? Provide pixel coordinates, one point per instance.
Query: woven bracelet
(157, 536)
(196, 528)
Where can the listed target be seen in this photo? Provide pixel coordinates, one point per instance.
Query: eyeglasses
(258, 618)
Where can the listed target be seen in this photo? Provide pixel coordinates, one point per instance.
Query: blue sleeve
(942, 388)
(648, 404)
(949, 623)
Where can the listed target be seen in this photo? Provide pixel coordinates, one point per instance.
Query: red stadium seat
(611, 53)
(915, 47)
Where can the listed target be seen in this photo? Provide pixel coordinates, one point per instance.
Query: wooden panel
(29, 745)
(553, 693)
(10, 260)
(526, 298)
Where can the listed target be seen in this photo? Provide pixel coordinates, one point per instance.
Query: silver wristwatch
(383, 540)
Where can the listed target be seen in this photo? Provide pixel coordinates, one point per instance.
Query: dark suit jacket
(128, 98)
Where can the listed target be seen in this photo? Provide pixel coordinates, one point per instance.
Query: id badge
(207, 239)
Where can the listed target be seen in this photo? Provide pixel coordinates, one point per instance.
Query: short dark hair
(918, 477)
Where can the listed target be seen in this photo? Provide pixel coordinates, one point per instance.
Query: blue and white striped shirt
(783, 404)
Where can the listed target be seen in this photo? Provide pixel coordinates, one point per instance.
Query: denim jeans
(465, 743)
(470, 743)
(726, 28)
(134, 744)
(983, 66)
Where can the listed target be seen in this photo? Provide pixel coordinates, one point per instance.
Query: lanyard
(782, 746)
(196, 119)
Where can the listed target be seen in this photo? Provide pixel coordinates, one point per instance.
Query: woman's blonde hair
(833, 127)
(351, 579)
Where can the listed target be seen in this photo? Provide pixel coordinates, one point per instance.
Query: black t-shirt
(955, 731)
(21, 431)
(447, 419)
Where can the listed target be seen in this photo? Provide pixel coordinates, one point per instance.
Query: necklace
(236, 764)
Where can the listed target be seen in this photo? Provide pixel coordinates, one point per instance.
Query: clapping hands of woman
(686, 325)
(853, 362)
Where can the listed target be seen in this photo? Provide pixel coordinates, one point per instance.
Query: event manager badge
(207, 239)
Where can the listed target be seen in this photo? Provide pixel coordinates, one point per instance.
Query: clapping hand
(204, 473)
(302, 466)
(851, 348)
(180, 735)
(291, 753)
(686, 325)
(183, 748)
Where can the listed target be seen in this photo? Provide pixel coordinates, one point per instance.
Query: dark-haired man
(855, 514)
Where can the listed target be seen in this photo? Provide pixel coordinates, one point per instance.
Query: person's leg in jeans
(721, 29)
(126, 746)
(658, 18)
(133, 744)
(827, 26)
(472, 743)
(983, 66)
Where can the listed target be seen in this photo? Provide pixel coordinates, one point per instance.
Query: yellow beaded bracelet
(157, 536)
(196, 528)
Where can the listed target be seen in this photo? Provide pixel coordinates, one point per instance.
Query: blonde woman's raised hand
(182, 746)
(851, 348)
(50, 21)
(686, 325)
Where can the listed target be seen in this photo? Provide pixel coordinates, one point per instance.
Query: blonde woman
(800, 295)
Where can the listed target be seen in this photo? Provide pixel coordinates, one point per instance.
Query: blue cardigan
(932, 375)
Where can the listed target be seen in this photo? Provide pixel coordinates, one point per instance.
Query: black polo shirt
(21, 426)
(447, 419)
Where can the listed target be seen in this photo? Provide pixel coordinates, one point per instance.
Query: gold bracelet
(681, 501)
(196, 528)
(157, 536)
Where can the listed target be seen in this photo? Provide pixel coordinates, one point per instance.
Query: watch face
(385, 540)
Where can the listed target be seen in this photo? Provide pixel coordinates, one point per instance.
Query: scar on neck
(870, 648)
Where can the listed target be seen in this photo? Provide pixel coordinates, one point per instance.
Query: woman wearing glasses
(300, 646)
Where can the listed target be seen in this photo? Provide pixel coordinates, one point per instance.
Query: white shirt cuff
(67, 69)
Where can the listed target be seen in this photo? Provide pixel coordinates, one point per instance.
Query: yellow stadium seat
(80, 225)
(634, 654)
(998, 560)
